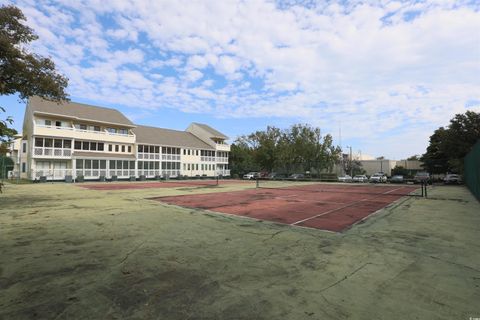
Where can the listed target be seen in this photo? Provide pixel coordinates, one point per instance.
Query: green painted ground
(70, 253)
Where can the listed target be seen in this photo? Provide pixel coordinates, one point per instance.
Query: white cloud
(353, 62)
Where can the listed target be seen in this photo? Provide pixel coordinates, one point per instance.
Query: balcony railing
(171, 157)
(52, 174)
(224, 173)
(207, 159)
(148, 156)
(86, 131)
(222, 160)
(52, 152)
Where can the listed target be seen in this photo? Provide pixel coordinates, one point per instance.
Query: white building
(72, 139)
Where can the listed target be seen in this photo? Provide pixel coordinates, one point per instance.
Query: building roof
(79, 111)
(214, 133)
(82, 154)
(167, 137)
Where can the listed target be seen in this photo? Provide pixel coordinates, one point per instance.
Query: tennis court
(159, 184)
(329, 207)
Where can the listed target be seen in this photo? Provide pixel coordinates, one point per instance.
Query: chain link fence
(472, 170)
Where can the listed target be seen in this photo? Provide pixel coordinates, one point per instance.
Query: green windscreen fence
(472, 170)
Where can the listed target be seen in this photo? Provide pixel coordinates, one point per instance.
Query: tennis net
(315, 186)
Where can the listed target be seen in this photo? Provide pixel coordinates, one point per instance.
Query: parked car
(297, 176)
(275, 176)
(250, 176)
(360, 178)
(421, 177)
(378, 177)
(452, 179)
(345, 178)
(397, 179)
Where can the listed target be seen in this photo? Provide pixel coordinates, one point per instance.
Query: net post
(426, 184)
(256, 182)
(421, 182)
(217, 179)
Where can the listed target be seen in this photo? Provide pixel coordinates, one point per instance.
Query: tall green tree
(21, 71)
(448, 146)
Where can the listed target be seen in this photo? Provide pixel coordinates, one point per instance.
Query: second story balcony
(222, 147)
(70, 131)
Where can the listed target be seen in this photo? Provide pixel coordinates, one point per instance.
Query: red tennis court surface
(321, 206)
(158, 184)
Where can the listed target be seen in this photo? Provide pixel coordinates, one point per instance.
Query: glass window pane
(38, 142)
(93, 146)
(85, 145)
(95, 164)
(67, 144)
(100, 146)
(119, 164)
(112, 164)
(103, 164)
(79, 164)
(48, 142)
(88, 164)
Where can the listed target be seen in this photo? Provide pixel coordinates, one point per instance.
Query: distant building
(73, 139)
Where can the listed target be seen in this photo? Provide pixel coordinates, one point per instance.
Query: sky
(385, 74)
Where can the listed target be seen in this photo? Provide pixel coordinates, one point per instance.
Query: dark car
(297, 176)
(276, 176)
(422, 177)
(397, 179)
(452, 179)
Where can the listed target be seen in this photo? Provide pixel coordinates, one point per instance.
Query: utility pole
(351, 161)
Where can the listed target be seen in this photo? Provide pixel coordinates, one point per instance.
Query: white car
(345, 178)
(360, 178)
(378, 177)
(250, 175)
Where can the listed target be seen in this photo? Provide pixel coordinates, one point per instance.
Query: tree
(448, 146)
(297, 149)
(414, 157)
(22, 72)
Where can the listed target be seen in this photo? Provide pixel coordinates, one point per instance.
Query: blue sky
(387, 72)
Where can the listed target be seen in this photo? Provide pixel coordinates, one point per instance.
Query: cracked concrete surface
(71, 253)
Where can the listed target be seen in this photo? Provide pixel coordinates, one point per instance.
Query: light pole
(351, 161)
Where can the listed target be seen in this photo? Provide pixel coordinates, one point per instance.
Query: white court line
(345, 206)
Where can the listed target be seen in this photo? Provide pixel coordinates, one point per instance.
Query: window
(48, 122)
(129, 148)
(58, 123)
(100, 146)
(24, 167)
(116, 148)
(123, 148)
(196, 166)
(103, 164)
(140, 148)
(123, 131)
(93, 146)
(96, 128)
(184, 152)
(196, 152)
(67, 144)
(48, 143)
(157, 149)
(57, 143)
(112, 130)
(83, 127)
(79, 164)
(38, 142)
(188, 151)
(24, 147)
(78, 145)
(85, 145)
(113, 163)
(184, 166)
(110, 148)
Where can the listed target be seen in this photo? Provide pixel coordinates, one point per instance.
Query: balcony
(207, 159)
(222, 147)
(222, 160)
(71, 132)
(45, 152)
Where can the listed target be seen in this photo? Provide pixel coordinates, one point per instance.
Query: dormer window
(123, 131)
(83, 127)
(58, 123)
(112, 130)
(96, 128)
(48, 122)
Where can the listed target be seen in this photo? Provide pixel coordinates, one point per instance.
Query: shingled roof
(79, 111)
(168, 137)
(214, 133)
